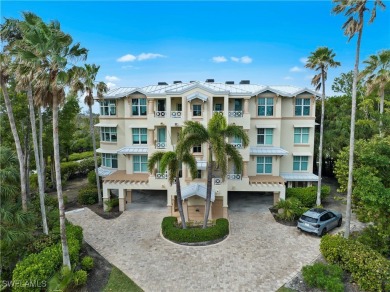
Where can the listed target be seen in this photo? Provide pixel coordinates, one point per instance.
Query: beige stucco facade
(143, 120)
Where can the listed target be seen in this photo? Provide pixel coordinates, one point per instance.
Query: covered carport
(250, 202)
(147, 200)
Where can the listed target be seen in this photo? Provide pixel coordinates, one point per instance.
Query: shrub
(176, 234)
(80, 278)
(87, 195)
(291, 209)
(86, 166)
(307, 196)
(40, 267)
(92, 177)
(87, 263)
(378, 241)
(111, 204)
(80, 156)
(327, 277)
(368, 268)
(42, 241)
(69, 169)
(61, 280)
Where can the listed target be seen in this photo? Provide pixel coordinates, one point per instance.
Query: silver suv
(319, 221)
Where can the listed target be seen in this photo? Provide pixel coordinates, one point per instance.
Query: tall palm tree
(377, 72)
(354, 10)
(5, 61)
(215, 136)
(320, 60)
(172, 161)
(85, 81)
(52, 49)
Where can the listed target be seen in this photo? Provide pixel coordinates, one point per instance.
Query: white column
(122, 204)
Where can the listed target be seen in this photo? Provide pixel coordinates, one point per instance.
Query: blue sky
(141, 43)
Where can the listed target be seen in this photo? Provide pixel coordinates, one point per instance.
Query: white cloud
(140, 57)
(110, 85)
(309, 77)
(288, 78)
(244, 59)
(112, 78)
(303, 60)
(219, 59)
(296, 69)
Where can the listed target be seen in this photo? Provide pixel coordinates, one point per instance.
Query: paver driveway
(259, 255)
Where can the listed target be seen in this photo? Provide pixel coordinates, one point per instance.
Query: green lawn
(119, 282)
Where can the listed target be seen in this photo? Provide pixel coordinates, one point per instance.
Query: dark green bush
(40, 267)
(307, 196)
(368, 268)
(69, 169)
(371, 237)
(111, 204)
(290, 209)
(79, 156)
(92, 177)
(86, 166)
(172, 232)
(327, 277)
(42, 241)
(87, 263)
(80, 278)
(87, 195)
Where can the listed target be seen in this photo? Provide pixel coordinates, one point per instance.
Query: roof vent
(176, 82)
(162, 83)
(245, 82)
(229, 82)
(210, 80)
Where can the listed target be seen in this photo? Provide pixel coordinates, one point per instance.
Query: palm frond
(190, 161)
(154, 159)
(236, 157)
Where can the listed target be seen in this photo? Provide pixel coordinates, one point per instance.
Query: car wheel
(339, 223)
(324, 231)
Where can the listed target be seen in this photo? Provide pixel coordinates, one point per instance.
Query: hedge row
(368, 268)
(36, 269)
(88, 195)
(69, 169)
(79, 156)
(308, 195)
(176, 234)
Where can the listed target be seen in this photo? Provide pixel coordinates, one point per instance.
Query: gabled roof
(196, 190)
(119, 92)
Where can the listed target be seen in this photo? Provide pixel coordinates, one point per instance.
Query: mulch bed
(114, 213)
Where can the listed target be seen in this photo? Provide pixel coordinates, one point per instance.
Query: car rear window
(309, 219)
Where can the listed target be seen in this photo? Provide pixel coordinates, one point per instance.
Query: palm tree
(320, 60)
(172, 161)
(5, 61)
(354, 10)
(215, 136)
(377, 72)
(52, 49)
(84, 81)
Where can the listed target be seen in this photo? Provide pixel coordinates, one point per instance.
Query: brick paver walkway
(259, 255)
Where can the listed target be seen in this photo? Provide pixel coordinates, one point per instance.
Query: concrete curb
(74, 211)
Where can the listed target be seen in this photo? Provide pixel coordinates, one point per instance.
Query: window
(197, 110)
(264, 164)
(300, 163)
(108, 108)
(140, 163)
(179, 107)
(265, 107)
(199, 174)
(237, 105)
(161, 105)
(218, 107)
(108, 134)
(197, 149)
(264, 136)
(140, 136)
(302, 106)
(110, 160)
(301, 135)
(138, 107)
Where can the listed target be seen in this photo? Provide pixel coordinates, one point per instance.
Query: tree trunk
(180, 202)
(381, 108)
(37, 161)
(209, 186)
(43, 164)
(94, 155)
(64, 242)
(318, 202)
(52, 172)
(27, 163)
(18, 145)
(352, 136)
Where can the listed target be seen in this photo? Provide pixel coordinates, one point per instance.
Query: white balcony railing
(233, 176)
(161, 145)
(218, 112)
(176, 114)
(236, 145)
(235, 114)
(161, 175)
(160, 114)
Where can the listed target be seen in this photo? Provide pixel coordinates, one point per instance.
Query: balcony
(161, 145)
(235, 114)
(236, 145)
(233, 176)
(160, 114)
(161, 175)
(176, 114)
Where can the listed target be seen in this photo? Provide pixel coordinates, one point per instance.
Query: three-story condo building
(135, 122)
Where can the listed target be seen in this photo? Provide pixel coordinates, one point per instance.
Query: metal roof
(295, 176)
(267, 151)
(196, 190)
(102, 171)
(212, 87)
(133, 150)
(106, 125)
(100, 150)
